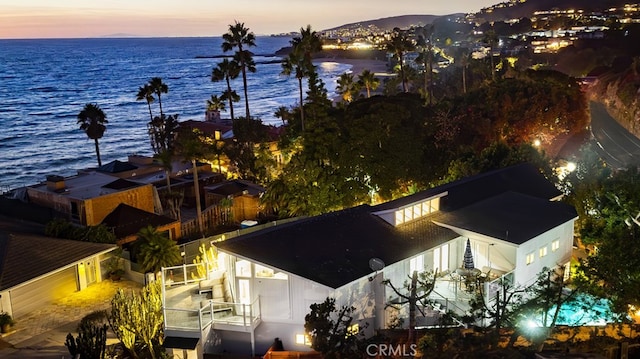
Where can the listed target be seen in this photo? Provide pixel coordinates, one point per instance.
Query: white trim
(60, 269)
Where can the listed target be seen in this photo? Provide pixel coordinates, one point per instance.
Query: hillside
(388, 23)
(526, 9)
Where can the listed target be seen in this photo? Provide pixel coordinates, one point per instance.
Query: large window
(441, 258)
(555, 245)
(416, 264)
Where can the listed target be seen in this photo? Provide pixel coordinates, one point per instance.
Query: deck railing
(203, 312)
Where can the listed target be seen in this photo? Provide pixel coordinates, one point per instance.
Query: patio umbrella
(468, 257)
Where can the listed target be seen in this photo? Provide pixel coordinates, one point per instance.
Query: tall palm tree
(369, 81)
(92, 121)
(146, 93)
(193, 145)
(156, 250)
(464, 63)
(158, 88)
(227, 71)
(294, 64)
(300, 59)
(239, 37)
(491, 38)
(308, 43)
(425, 57)
(398, 45)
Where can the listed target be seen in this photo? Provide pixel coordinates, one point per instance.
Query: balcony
(188, 308)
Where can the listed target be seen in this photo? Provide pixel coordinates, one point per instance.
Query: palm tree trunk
(95, 140)
(196, 188)
(150, 113)
(246, 98)
(464, 79)
(301, 103)
(230, 99)
(404, 83)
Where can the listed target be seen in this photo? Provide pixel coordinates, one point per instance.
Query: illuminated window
(435, 204)
(530, 258)
(416, 264)
(543, 251)
(555, 245)
(303, 339)
(399, 218)
(264, 272)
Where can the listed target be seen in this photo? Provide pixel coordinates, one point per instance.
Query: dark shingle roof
(126, 220)
(523, 178)
(334, 249)
(27, 256)
(511, 216)
(116, 166)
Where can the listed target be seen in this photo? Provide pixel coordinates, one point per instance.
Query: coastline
(378, 67)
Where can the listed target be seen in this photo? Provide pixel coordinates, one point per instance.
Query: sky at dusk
(96, 18)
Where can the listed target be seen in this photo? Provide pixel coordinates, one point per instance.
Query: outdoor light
(571, 166)
(536, 143)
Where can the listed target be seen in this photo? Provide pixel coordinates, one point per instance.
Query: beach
(378, 67)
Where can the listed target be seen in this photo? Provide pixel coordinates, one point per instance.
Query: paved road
(618, 147)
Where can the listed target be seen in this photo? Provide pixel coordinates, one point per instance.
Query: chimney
(55, 183)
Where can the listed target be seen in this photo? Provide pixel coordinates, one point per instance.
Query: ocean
(45, 83)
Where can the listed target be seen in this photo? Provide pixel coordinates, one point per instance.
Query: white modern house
(264, 280)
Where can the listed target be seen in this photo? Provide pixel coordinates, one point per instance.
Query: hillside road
(618, 147)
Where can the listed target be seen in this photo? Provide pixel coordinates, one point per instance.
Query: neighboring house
(88, 198)
(126, 221)
(511, 218)
(36, 270)
(244, 196)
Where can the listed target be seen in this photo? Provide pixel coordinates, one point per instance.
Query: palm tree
(294, 63)
(227, 71)
(146, 93)
(215, 104)
(369, 81)
(299, 60)
(158, 87)
(464, 63)
(399, 44)
(425, 58)
(347, 87)
(239, 37)
(283, 114)
(307, 43)
(156, 250)
(491, 38)
(92, 121)
(193, 145)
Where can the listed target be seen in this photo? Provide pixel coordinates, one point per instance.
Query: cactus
(91, 342)
(206, 262)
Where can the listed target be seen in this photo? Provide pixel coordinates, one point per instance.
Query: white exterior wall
(525, 273)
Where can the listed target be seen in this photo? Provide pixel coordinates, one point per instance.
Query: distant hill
(389, 23)
(526, 9)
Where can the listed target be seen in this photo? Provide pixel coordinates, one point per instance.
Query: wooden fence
(211, 217)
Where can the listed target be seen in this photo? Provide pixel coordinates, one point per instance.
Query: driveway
(42, 333)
